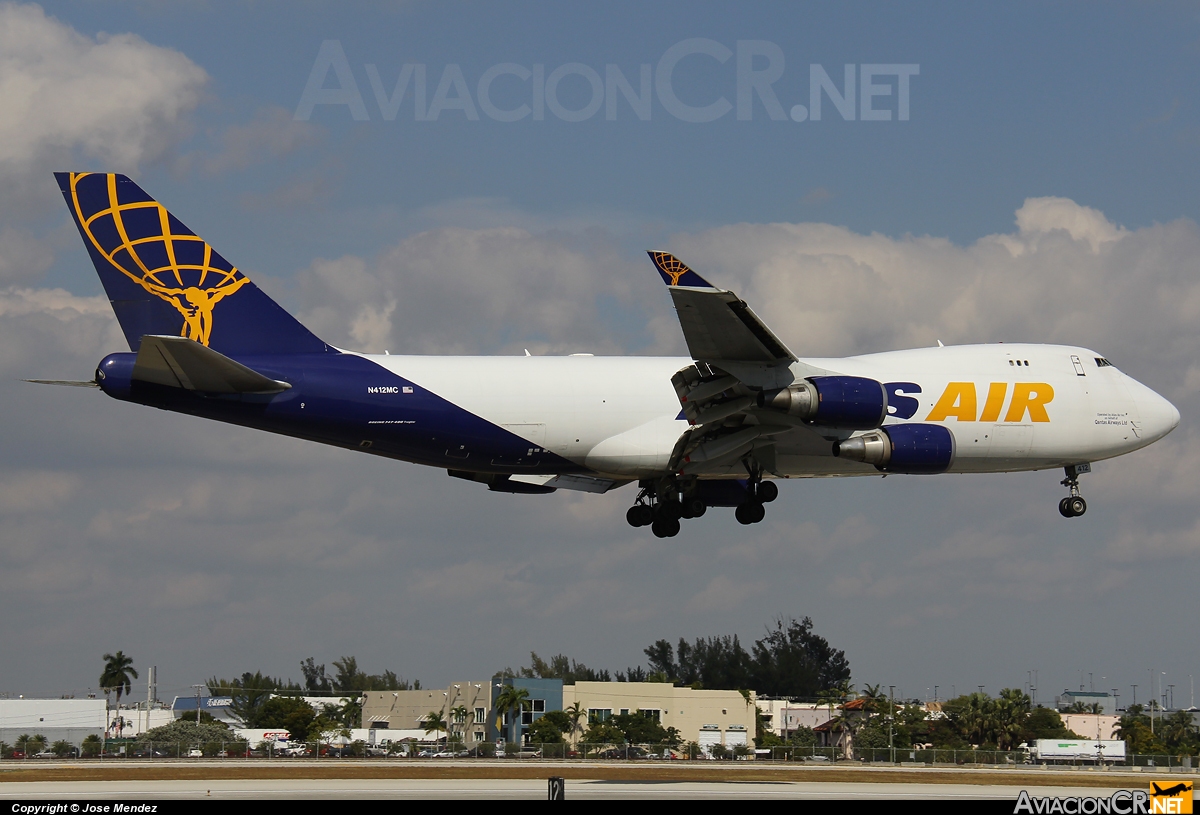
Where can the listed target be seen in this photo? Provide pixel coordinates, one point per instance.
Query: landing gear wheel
(767, 492)
(670, 510)
(750, 512)
(665, 528)
(694, 508)
(639, 515)
(1073, 505)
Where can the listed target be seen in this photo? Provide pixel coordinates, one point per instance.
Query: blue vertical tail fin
(163, 279)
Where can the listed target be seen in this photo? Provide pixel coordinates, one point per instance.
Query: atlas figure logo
(151, 248)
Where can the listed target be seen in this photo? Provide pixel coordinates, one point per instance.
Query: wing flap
(178, 362)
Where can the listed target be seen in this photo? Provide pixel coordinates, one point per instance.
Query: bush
(91, 746)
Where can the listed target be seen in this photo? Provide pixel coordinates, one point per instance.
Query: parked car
(195, 753)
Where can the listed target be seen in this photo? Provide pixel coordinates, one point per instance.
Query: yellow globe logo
(156, 251)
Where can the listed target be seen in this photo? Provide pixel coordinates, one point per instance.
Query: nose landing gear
(1073, 505)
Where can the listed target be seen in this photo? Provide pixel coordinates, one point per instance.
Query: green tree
(1010, 715)
(576, 713)
(91, 746)
(639, 728)
(545, 731)
(181, 735)
(605, 732)
(291, 714)
(115, 678)
(802, 737)
(1136, 731)
(434, 722)
(458, 719)
(248, 694)
(1045, 723)
(509, 699)
(30, 745)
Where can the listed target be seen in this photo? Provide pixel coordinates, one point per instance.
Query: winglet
(676, 273)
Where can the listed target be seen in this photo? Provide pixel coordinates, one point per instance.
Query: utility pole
(891, 720)
(197, 687)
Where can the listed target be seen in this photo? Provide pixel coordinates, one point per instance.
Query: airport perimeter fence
(418, 751)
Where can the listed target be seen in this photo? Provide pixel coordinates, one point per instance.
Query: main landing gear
(753, 511)
(1073, 505)
(663, 513)
(661, 504)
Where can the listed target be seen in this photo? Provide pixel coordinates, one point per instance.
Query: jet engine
(852, 402)
(903, 448)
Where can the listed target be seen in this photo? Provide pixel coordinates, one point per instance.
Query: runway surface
(131, 781)
(496, 788)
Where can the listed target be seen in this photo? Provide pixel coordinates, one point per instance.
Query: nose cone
(1159, 417)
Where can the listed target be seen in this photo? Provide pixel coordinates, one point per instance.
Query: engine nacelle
(902, 448)
(853, 402)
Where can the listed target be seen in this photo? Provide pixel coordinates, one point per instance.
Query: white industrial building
(70, 720)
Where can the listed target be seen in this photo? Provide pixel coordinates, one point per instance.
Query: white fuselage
(1009, 407)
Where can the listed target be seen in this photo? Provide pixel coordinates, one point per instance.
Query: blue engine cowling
(920, 448)
(114, 375)
(914, 448)
(852, 402)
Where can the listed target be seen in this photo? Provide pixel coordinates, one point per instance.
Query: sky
(450, 178)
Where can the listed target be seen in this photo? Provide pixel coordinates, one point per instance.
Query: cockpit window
(1101, 362)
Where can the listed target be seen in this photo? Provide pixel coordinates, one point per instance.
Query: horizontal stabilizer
(178, 362)
(71, 383)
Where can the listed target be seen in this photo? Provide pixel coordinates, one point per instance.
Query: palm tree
(508, 700)
(576, 712)
(831, 695)
(460, 718)
(435, 722)
(117, 670)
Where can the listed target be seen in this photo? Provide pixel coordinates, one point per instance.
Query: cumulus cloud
(68, 100)
(116, 98)
(490, 290)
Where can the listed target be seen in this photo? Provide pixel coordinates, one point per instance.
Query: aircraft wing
(179, 362)
(717, 324)
(738, 359)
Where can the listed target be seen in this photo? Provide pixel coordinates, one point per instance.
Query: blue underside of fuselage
(348, 401)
